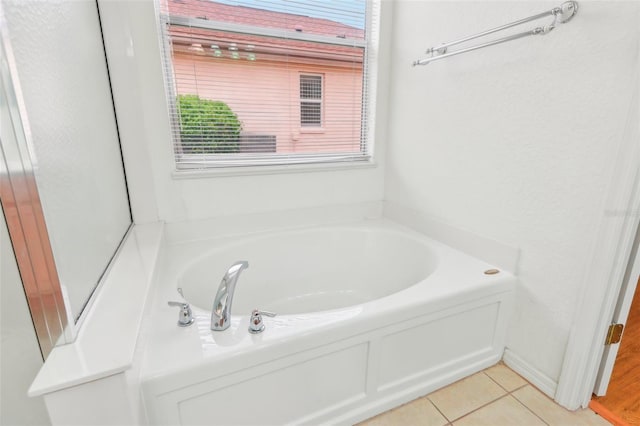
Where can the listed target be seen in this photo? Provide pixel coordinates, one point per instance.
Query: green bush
(207, 126)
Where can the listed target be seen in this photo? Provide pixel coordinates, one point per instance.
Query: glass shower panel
(72, 136)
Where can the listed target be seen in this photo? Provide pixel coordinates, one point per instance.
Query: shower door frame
(23, 211)
(50, 310)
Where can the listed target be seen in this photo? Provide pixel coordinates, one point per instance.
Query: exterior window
(311, 100)
(260, 83)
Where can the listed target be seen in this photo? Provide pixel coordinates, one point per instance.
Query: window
(311, 100)
(278, 82)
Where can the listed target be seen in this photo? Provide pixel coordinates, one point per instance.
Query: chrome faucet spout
(221, 311)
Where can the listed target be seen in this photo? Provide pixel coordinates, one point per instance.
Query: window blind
(255, 82)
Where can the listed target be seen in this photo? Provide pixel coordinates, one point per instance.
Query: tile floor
(494, 397)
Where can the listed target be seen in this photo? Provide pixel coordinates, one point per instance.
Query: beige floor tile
(506, 411)
(420, 412)
(586, 416)
(554, 414)
(505, 377)
(464, 396)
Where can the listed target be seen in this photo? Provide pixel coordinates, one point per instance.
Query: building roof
(213, 11)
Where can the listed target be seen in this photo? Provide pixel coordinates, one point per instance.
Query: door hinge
(614, 334)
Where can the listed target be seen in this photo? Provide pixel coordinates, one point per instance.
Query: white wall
(134, 60)
(20, 357)
(515, 142)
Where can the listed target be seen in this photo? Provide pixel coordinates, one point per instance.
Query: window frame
(190, 163)
(314, 101)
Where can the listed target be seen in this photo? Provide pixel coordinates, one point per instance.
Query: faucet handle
(256, 325)
(185, 316)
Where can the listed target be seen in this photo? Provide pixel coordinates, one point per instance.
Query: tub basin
(311, 270)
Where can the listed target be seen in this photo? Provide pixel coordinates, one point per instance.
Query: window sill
(272, 169)
(312, 130)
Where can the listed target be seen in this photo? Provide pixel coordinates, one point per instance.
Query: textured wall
(515, 142)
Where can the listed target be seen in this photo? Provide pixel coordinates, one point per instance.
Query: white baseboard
(537, 378)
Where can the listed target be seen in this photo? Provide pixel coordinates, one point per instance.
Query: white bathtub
(312, 270)
(370, 315)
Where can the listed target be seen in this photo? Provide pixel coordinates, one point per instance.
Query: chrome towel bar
(562, 14)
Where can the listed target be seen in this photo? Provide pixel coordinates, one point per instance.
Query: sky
(350, 12)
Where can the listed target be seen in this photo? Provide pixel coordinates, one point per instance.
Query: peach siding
(265, 96)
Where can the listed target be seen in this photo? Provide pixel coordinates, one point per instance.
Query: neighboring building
(296, 95)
